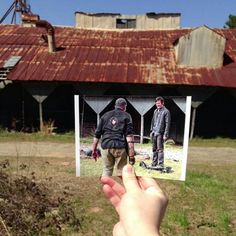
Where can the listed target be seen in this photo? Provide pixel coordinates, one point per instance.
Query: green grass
(70, 137)
(174, 175)
(214, 142)
(91, 168)
(203, 204)
(35, 137)
(226, 221)
(181, 219)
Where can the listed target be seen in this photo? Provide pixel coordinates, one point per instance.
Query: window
(125, 23)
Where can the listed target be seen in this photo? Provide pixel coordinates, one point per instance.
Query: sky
(194, 13)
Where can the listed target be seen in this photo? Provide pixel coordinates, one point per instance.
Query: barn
(42, 67)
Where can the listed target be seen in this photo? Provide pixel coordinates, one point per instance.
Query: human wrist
(147, 228)
(146, 232)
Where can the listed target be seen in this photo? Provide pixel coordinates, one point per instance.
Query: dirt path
(62, 150)
(45, 149)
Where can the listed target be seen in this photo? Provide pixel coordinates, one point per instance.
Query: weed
(29, 208)
(48, 127)
(181, 219)
(225, 220)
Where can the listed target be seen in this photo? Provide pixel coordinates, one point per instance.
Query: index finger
(118, 188)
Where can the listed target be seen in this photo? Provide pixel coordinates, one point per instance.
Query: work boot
(155, 159)
(161, 158)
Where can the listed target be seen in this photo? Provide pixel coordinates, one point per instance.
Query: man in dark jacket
(116, 130)
(160, 128)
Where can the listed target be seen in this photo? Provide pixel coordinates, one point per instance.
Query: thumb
(129, 178)
(119, 230)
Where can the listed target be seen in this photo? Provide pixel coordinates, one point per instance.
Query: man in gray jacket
(160, 128)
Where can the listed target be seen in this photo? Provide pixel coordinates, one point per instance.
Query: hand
(141, 204)
(165, 138)
(95, 154)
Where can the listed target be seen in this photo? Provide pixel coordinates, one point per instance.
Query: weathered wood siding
(202, 47)
(106, 21)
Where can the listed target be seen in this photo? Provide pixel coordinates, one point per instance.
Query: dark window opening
(227, 60)
(125, 24)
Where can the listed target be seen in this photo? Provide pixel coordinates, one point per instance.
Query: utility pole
(18, 6)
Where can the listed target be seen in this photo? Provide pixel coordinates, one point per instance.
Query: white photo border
(77, 135)
(186, 137)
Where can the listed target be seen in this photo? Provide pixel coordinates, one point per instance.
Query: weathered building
(118, 21)
(42, 67)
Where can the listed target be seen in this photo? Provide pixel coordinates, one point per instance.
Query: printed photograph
(150, 133)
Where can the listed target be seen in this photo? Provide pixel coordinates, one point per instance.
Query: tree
(231, 23)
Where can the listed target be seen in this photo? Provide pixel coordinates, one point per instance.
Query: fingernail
(129, 169)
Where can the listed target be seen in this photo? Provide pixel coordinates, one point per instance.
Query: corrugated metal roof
(145, 57)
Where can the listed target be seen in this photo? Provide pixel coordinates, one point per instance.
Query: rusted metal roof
(144, 57)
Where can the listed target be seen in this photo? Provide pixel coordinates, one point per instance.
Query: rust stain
(145, 57)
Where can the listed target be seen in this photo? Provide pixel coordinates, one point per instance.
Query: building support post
(40, 92)
(193, 123)
(40, 116)
(195, 105)
(142, 128)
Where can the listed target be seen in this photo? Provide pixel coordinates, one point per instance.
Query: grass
(226, 221)
(91, 168)
(213, 142)
(69, 137)
(35, 137)
(202, 205)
